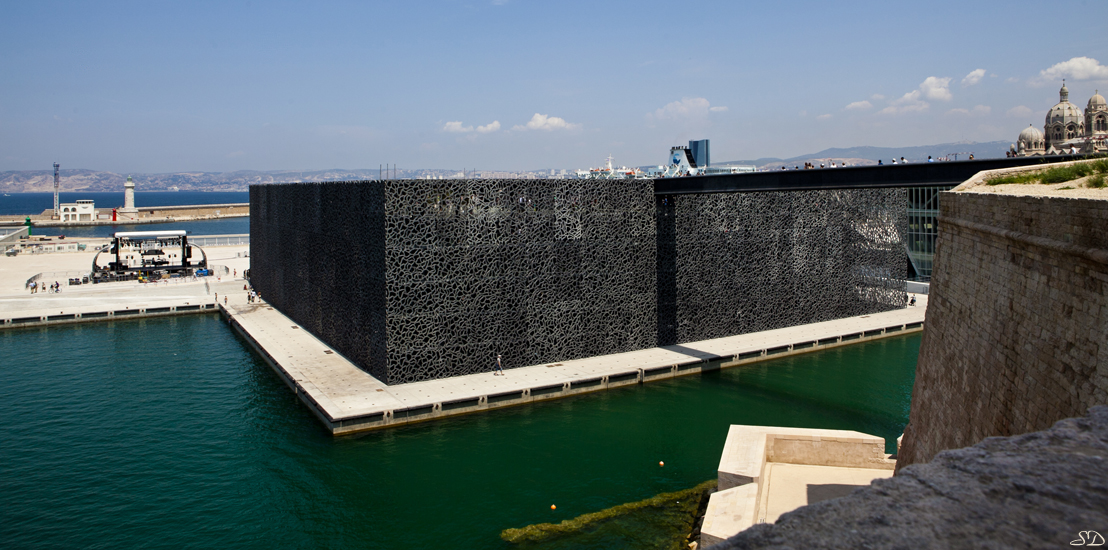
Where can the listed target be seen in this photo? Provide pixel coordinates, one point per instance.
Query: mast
(57, 208)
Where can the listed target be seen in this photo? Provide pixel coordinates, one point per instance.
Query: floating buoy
(661, 463)
(552, 507)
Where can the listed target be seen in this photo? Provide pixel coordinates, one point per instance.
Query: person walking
(499, 368)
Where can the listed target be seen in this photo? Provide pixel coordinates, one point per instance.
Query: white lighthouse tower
(129, 197)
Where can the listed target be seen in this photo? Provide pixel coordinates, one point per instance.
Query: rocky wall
(1016, 323)
(1045, 489)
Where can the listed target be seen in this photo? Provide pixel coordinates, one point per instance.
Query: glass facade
(923, 217)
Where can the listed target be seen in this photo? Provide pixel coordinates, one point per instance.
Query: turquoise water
(225, 226)
(35, 203)
(169, 433)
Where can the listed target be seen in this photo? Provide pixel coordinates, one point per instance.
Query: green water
(169, 433)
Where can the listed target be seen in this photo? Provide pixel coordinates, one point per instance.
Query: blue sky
(514, 84)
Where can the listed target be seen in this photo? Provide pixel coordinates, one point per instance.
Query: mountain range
(28, 181)
(870, 155)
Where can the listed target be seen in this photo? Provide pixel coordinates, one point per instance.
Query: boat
(608, 172)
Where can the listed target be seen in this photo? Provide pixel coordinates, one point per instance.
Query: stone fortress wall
(1016, 323)
(423, 279)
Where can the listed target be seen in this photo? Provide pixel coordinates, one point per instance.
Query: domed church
(1067, 129)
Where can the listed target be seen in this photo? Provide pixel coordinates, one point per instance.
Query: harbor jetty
(153, 214)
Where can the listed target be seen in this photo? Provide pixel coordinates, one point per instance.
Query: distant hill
(29, 181)
(870, 155)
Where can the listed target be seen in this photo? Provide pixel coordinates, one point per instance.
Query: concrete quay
(346, 399)
(108, 301)
(151, 214)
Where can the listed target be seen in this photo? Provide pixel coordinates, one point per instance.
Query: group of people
(812, 166)
(251, 294)
(37, 287)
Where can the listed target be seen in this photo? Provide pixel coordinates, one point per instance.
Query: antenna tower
(57, 209)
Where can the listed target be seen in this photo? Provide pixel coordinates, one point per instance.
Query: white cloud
(490, 127)
(974, 77)
(980, 110)
(1019, 111)
(689, 107)
(932, 87)
(548, 123)
(936, 88)
(858, 106)
(717, 109)
(456, 127)
(1078, 68)
(823, 117)
(877, 97)
(1011, 80)
(908, 103)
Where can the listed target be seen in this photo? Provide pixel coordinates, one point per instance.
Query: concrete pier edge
(317, 399)
(62, 318)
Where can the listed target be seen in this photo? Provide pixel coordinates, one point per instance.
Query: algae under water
(170, 432)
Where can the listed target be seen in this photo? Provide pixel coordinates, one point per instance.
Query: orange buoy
(661, 463)
(552, 507)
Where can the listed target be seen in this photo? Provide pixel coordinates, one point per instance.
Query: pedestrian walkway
(347, 399)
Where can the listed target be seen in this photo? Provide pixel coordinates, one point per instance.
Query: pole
(57, 209)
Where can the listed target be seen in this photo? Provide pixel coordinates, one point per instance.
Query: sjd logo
(1088, 538)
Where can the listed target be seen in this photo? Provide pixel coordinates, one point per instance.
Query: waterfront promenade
(347, 399)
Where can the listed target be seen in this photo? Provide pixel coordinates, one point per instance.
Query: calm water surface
(171, 433)
(35, 203)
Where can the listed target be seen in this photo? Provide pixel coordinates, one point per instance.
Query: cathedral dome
(1064, 113)
(1031, 135)
(1096, 103)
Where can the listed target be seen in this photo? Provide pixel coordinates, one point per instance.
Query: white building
(80, 211)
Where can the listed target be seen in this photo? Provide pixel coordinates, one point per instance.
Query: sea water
(171, 432)
(35, 203)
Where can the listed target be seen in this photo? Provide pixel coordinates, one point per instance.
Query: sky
(161, 86)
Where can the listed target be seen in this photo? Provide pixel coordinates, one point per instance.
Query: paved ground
(16, 300)
(790, 486)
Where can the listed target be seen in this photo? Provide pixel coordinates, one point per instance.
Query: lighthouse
(129, 197)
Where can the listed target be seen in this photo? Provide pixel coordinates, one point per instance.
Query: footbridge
(925, 174)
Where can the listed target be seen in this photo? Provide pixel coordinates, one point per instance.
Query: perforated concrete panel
(422, 279)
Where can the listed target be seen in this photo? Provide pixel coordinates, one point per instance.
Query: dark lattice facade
(422, 279)
(458, 271)
(734, 263)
